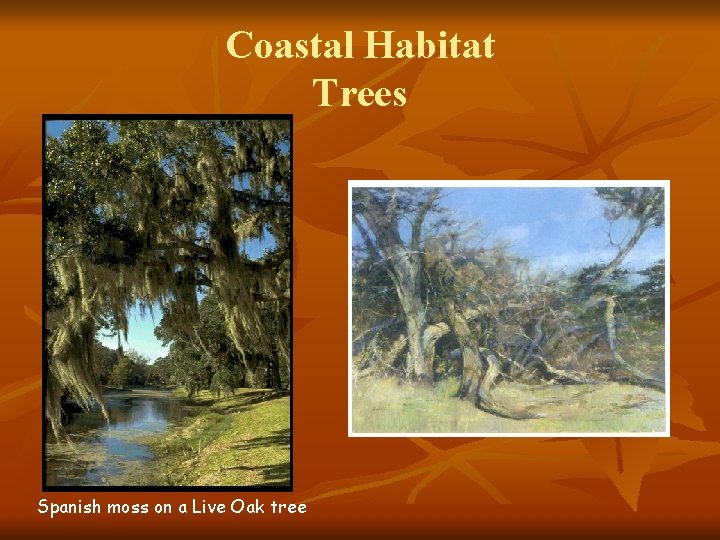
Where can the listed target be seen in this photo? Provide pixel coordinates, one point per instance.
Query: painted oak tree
(476, 312)
(147, 211)
(379, 215)
(393, 225)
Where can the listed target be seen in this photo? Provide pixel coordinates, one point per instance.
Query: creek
(106, 454)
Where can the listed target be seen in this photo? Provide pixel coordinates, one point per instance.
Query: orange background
(570, 94)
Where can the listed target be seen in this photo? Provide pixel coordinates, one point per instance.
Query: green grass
(389, 406)
(242, 440)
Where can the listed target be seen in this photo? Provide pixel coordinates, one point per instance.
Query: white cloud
(574, 259)
(640, 257)
(515, 234)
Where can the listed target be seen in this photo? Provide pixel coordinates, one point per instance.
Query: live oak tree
(219, 365)
(156, 211)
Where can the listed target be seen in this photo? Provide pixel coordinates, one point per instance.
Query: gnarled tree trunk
(379, 227)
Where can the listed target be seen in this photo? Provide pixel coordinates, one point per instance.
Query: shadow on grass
(280, 437)
(277, 474)
(253, 400)
(274, 474)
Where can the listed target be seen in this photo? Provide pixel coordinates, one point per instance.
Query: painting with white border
(508, 308)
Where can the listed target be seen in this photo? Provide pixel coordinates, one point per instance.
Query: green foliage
(374, 298)
(187, 368)
(224, 381)
(105, 361)
(581, 281)
(640, 203)
(121, 373)
(161, 374)
(649, 296)
(160, 210)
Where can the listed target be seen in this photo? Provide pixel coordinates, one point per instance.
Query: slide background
(562, 78)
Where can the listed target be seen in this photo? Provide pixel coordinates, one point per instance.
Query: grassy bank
(242, 440)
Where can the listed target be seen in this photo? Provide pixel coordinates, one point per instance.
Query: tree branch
(247, 197)
(420, 218)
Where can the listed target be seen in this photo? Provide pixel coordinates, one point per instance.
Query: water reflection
(102, 454)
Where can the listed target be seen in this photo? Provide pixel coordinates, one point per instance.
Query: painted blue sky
(555, 228)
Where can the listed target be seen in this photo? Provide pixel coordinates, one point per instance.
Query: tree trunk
(403, 261)
(417, 364)
(644, 224)
(635, 375)
(472, 369)
(484, 399)
(477, 385)
(406, 276)
(275, 381)
(254, 370)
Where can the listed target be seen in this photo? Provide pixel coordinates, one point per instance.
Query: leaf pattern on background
(20, 388)
(494, 466)
(436, 463)
(228, 84)
(301, 322)
(584, 141)
(16, 398)
(624, 461)
(82, 104)
(640, 466)
(696, 296)
(217, 78)
(33, 315)
(485, 141)
(16, 198)
(324, 134)
(641, 91)
(24, 205)
(682, 401)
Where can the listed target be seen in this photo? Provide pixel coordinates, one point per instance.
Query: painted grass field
(385, 405)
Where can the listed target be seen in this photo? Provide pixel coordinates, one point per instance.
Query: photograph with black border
(167, 302)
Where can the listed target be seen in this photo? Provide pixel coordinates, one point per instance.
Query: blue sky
(141, 336)
(54, 128)
(555, 228)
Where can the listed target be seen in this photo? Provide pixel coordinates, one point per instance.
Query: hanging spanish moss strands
(148, 212)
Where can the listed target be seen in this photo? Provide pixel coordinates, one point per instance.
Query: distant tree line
(124, 369)
(206, 358)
